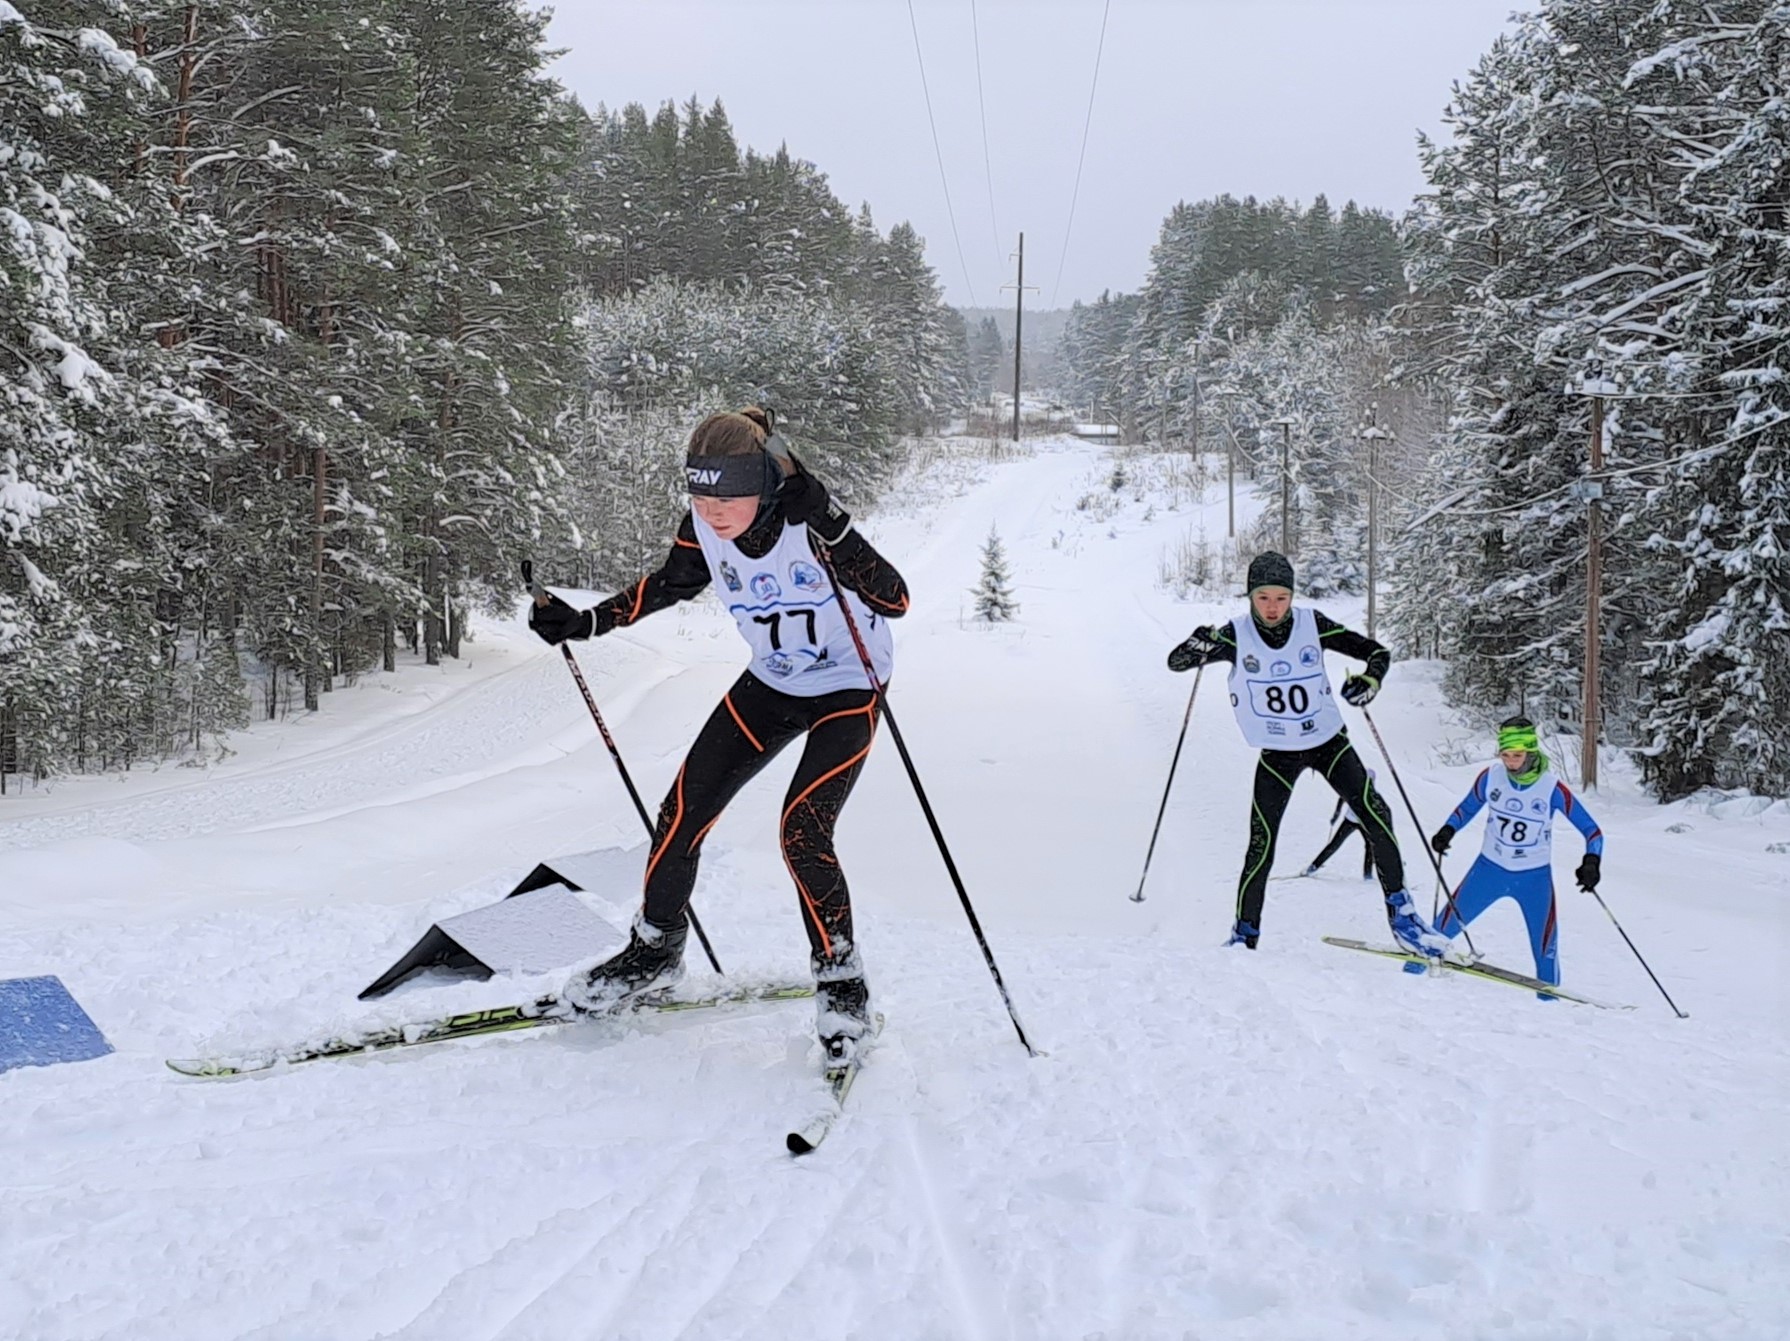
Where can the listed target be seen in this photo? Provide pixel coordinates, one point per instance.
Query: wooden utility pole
(1193, 446)
(1019, 320)
(1019, 325)
(1594, 575)
(1595, 385)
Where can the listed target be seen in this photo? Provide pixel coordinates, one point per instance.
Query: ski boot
(1410, 930)
(1243, 934)
(652, 959)
(841, 1005)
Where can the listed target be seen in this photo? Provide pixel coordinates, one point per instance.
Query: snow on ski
(839, 1081)
(1489, 972)
(546, 1010)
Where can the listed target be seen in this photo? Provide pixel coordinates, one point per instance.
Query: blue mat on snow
(41, 1024)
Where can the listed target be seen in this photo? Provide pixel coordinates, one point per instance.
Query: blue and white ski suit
(1514, 861)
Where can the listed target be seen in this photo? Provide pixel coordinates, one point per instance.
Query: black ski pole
(1172, 765)
(540, 598)
(1631, 945)
(1435, 861)
(913, 776)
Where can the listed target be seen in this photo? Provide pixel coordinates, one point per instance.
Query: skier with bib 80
(765, 534)
(1520, 796)
(1281, 695)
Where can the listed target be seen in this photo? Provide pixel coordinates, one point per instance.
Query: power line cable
(1075, 194)
(987, 163)
(939, 153)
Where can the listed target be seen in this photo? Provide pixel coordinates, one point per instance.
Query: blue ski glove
(1590, 871)
(1201, 645)
(556, 621)
(1360, 690)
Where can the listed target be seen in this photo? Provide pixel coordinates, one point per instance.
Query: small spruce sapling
(994, 593)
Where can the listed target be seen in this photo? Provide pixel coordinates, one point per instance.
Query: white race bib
(1519, 821)
(1282, 695)
(788, 613)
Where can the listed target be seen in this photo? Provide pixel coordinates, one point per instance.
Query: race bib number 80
(1285, 698)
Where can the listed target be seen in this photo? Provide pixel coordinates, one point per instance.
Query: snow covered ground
(1296, 1143)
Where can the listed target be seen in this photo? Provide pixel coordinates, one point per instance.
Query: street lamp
(1373, 435)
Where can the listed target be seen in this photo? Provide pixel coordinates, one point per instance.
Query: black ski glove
(805, 501)
(556, 621)
(1360, 690)
(1199, 648)
(1590, 871)
(1443, 837)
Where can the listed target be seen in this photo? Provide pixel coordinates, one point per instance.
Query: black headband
(726, 476)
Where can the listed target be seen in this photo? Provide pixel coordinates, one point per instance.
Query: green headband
(1518, 738)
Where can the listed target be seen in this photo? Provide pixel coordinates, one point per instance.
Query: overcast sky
(1195, 98)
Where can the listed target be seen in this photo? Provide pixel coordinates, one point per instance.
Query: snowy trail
(1298, 1143)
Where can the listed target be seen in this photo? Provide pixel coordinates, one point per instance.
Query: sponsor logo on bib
(779, 664)
(1281, 668)
(730, 575)
(1308, 656)
(805, 576)
(765, 587)
(1251, 665)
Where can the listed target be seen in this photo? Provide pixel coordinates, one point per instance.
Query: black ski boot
(653, 958)
(841, 1005)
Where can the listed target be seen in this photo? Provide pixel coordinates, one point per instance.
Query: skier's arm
(1565, 803)
(683, 575)
(862, 570)
(1334, 637)
(1204, 646)
(1472, 802)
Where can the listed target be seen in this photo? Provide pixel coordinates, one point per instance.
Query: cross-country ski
(719, 672)
(550, 1010)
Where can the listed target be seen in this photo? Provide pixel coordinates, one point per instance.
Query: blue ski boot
(1243, 934)
(1410, 930)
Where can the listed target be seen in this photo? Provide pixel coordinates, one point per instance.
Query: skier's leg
(1534, 893)
(1337, 839)
(1347, 776)
(743, 734)
(838, 743)
(844, 727)
(1479, 888)
(1367, 852)
(1275, 772)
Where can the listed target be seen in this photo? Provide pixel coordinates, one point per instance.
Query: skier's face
(1515, 761)
(728, 518)
(1271, 604)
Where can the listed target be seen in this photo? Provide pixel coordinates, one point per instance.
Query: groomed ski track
(1291, 1144)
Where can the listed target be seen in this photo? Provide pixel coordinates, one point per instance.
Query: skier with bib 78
(766, 536)
(1281, 695)
(1520, 796)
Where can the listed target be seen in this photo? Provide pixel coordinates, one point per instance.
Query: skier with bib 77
(1281, 695)
(771, 542)
(1520, 796)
